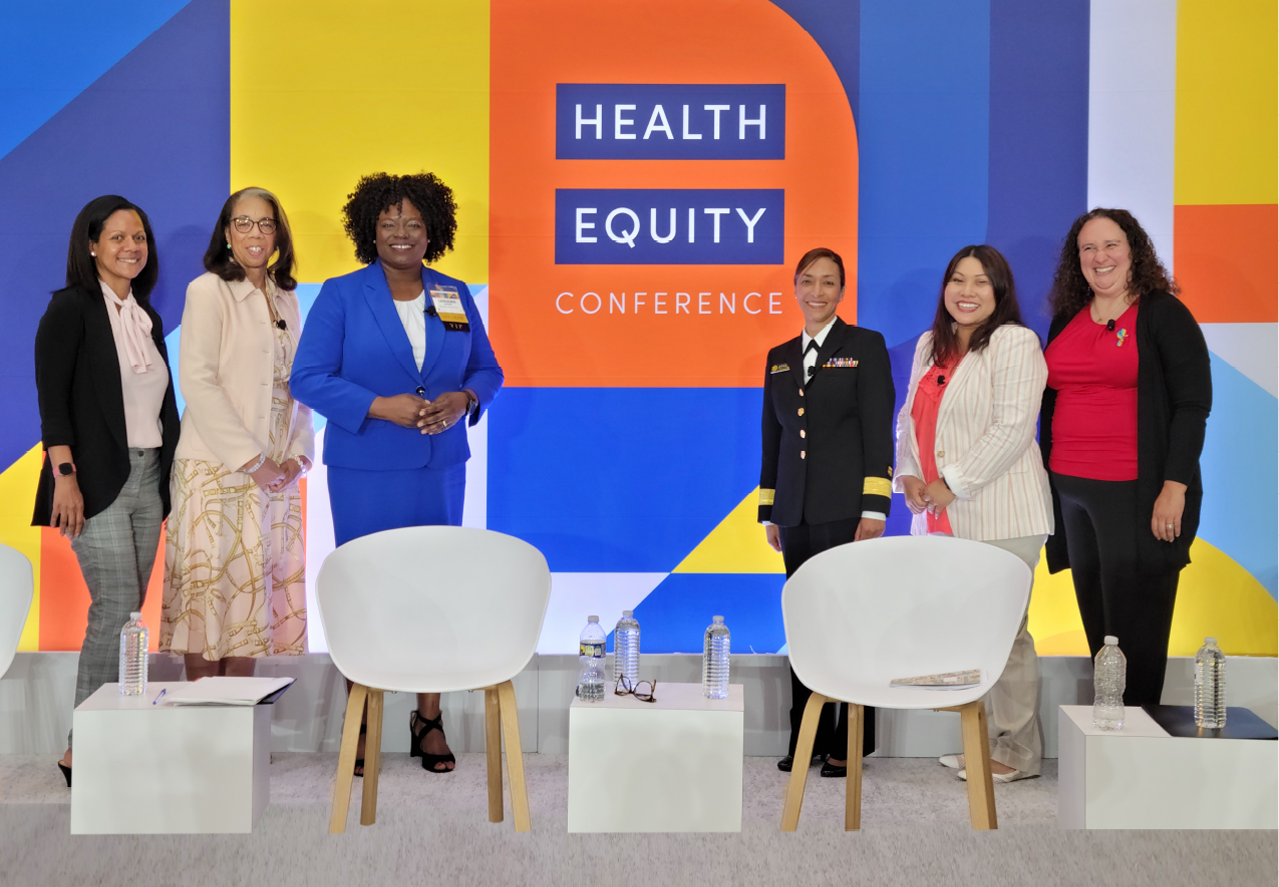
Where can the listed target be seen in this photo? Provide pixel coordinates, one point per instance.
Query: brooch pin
(1120, 336)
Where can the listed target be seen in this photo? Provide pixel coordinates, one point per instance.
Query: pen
(161, 693)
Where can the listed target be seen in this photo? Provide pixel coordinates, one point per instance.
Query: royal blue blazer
(354, 349)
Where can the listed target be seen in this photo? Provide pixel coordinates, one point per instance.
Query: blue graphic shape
(674, 616)
(836, 29)
(619, 479)
(923, 145)
(1239, 454)
(652, 121)
(155, 128)
(670, 226)
(56, 49)
(1038, 140)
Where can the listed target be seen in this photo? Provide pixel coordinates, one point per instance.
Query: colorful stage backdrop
(635, 183)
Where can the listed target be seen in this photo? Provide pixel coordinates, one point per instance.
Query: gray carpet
(434, 830)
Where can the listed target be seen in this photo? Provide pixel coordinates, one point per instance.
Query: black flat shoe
(788, 762)
(66, 771)
(832, 772)
(429, 761)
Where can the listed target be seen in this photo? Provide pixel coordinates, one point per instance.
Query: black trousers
(798, 545)
(1115, 595)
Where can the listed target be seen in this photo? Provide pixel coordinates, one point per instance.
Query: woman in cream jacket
(234, 559)
(968, 464)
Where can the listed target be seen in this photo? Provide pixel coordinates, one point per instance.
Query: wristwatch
(472, 403)
(65, 469)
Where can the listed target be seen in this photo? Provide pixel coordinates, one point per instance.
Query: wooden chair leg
(853, 798)
(514, 756)
(799, 768)
(981, 788)
(493, 751)
(346, 758)
(372, 759)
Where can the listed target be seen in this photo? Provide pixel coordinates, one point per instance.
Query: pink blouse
(143, 391)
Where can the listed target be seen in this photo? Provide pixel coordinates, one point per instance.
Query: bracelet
(256, 465)
(302, 463)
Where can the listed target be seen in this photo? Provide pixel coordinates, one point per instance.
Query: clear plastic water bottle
(626, 647)
(133, 656)
(715, 660)
(1210, 685)
(590, 680)
(1109, 678)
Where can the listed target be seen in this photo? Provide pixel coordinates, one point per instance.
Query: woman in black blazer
(1121, 429)
(108, 422)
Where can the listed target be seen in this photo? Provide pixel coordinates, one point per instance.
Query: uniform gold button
(801, 411)
(941, 454)
(802, 453)
(803, 433)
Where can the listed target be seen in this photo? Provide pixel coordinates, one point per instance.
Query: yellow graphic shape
(1227, 132)
(737, 545)
(18, 489)
(1216, 598)
(325, 91)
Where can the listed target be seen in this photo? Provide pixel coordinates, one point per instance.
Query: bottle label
(594, 650)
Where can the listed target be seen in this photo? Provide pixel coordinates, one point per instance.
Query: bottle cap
(628, 612)
(1208, 641)
(1112, 640)
(592, 619)
(135, 615)
(717, 619)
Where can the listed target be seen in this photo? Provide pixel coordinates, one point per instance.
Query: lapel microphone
(941, 380)
(430, 311)
(1110, 326)
(281, 324)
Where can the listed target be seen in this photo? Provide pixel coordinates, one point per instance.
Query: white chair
(17, 588)
(432, 610)
(859, 615)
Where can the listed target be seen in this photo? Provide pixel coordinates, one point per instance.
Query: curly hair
(946, 345)
(1070, 291)
(380, 191)
(218, 257)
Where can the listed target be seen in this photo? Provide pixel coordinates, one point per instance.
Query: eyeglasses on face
(644, 691)
(244, 225)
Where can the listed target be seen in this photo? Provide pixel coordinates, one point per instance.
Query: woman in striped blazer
(968, 464)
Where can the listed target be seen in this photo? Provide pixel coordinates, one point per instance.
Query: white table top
(108, 698)
(669, 697)
(1136, 723)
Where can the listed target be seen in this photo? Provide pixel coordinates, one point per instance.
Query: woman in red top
(969, 467)
(1129, 391)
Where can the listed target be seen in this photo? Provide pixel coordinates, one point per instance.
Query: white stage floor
(434, 830)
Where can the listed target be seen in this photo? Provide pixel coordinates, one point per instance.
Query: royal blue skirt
(366, 502)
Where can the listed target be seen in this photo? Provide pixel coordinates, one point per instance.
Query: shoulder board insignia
(779, 368)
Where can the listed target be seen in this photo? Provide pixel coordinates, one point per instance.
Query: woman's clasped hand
(429, 416)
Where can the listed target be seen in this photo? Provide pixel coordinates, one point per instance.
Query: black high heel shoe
(429, 761)
(66, 771)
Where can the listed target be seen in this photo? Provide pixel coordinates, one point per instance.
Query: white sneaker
(1003, 777)
(954, 762)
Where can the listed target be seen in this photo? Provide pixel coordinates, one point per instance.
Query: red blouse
(1094, 371)
(923, 410)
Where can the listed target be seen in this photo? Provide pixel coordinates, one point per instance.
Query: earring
(228, 246)
(92, 253)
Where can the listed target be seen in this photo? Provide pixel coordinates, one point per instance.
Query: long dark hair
(218, 257)
(82, 270)
(945, 340)
(1071, 293)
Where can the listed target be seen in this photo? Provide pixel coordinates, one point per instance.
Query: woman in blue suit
(396, 358)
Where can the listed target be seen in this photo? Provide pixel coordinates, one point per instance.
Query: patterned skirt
(234, 566)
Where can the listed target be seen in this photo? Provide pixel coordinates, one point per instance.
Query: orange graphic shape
(64, 598)
(714, 41)
(1227, 260)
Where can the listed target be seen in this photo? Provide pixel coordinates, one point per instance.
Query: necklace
(1103, 318)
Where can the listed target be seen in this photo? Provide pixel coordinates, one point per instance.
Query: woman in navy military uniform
(828, 456)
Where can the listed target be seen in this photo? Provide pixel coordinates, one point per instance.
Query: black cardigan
(82, 400)
(1174, 397)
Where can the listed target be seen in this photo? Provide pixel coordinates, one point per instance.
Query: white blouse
(413, 316)
(143, 392)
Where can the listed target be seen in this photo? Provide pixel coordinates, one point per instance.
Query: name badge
(840, 362)
(779, 368)
(448, 305)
